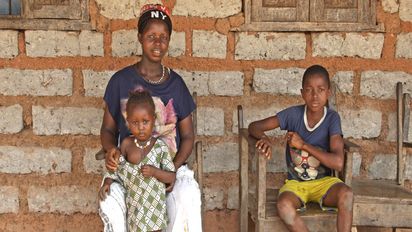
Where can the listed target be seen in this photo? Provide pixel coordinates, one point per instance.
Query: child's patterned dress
(145, 197)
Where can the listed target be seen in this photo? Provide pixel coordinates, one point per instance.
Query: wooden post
(348, 168)
(247, 4)
(194, 162)
(199, 161)
(399, 139)
(406, 115)
(350, 149)
(261, 186)
(332, 97)
(194, 116)
(243, 177)
(405, 130)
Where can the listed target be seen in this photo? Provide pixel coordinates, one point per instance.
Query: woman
(154, 30)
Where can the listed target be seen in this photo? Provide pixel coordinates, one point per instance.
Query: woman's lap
(183, 205)
(113, 209)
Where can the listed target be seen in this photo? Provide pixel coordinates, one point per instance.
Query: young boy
(314, 147)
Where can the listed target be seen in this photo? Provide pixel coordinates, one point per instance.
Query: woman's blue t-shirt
(127, 79)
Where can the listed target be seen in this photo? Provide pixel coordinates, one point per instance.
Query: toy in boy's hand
(305, 164)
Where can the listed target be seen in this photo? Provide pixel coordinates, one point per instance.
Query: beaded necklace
(158, 81)
(142, 146)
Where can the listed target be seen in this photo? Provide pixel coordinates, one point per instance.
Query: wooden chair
(376, 203)
(260, 201)
(386, 203)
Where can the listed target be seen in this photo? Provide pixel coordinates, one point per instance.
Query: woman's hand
(112, 159)
(148, 170)
(169, 187)
(105, 189)
(264, 146)
(294, 140)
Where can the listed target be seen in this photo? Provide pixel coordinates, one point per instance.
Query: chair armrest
(350, 146)
(100, 155)
(407, 144)
(243, 178)
(349, 149)
(199, 164)
(261, 185)
(247, 150)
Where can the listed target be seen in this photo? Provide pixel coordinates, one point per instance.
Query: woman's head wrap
(154, 11)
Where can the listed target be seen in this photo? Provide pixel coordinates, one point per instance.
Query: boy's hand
(264, 146)
(112, 159)
(104, 190)
(294, 140)
(148, 170)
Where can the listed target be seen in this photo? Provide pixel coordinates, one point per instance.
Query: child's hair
(140, 96)
(316, 70)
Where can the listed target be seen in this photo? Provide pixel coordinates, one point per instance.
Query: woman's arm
(108, 138)
(187, 139)
(333, 159)
(163, 176)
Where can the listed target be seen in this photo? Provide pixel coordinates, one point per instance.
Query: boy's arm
(333, 159)
(163, 176)
(257, 129)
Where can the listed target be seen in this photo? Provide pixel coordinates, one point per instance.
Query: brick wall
(52, 82)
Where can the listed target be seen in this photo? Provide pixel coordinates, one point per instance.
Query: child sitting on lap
(314, 147)
(144, 169)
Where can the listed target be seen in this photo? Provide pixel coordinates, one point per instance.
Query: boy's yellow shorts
(311, 191)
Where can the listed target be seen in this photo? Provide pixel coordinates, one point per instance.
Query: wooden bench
(376, 202)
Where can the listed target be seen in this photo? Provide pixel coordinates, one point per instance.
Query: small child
(145, 168)
(314, 147)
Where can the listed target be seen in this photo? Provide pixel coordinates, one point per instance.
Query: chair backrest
(402, 116)
(349, 147)
(332, 98)
(196, 162)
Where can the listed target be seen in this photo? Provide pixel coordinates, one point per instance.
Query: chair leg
(354, 229)
(259, 226)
